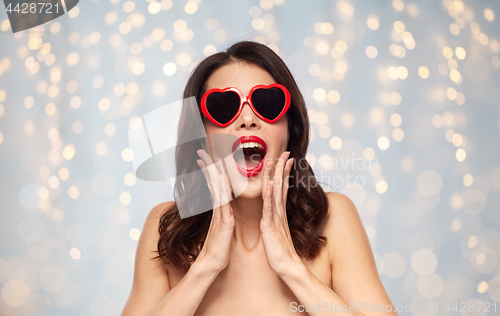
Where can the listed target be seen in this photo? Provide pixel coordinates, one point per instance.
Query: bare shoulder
(158, 210)
(343, 228)
(354, 274)
(149, 234)
(341, 212)
(150, 283)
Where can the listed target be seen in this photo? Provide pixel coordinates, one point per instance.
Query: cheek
(211, 128)
(279, 133)
(221, 145)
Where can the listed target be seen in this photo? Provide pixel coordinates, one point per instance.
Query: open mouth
(249, 153)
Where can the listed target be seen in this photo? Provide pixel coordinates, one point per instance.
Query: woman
(281, 246)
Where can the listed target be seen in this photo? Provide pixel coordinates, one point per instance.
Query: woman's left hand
(278, 244)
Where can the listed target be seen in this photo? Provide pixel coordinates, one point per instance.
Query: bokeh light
(401, 96)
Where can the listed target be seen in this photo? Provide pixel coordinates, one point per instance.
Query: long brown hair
(181, 240)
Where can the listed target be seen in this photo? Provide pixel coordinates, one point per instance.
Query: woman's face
(244, 76)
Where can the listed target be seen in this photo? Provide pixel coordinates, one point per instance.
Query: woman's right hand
(216, 249)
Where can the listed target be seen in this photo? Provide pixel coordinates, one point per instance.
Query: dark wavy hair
(181, 240)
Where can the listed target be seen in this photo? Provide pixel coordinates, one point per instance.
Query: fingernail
(199, 152)
(287, 154)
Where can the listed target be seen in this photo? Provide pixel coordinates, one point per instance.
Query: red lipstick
(250, 139)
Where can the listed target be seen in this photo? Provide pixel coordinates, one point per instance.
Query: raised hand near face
(276, 236)
(216, 249)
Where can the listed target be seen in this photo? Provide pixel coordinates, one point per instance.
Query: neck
(247, 214)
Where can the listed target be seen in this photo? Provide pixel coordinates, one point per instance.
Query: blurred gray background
(404, 103)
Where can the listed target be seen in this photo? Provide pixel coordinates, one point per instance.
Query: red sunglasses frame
(246, 99)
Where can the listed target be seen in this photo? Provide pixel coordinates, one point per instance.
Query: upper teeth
(251, 145)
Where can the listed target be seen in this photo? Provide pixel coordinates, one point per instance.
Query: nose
(247, 118)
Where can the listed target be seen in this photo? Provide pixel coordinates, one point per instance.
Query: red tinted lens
(269, 102)
(223, 106)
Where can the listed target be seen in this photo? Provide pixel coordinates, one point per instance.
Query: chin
(254, 190)
(247, 188)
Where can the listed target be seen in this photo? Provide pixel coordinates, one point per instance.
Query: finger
(214, 181)
(205, 174)
(223, 171)
(227, 178)
(286, 179)
(229, 196)
(278, 180)
(217, 196)
(221, 168)
(213, 175)
(207, 160)
(211, 183)
(213, 222)
(288, 168)
(278, 171)
(267, 213)
(225, 198)
(218, 165)
(268, 165)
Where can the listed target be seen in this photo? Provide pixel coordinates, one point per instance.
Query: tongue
(247, 158)
(252, 160)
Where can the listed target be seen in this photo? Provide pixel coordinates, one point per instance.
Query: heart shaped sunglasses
(268, 102)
